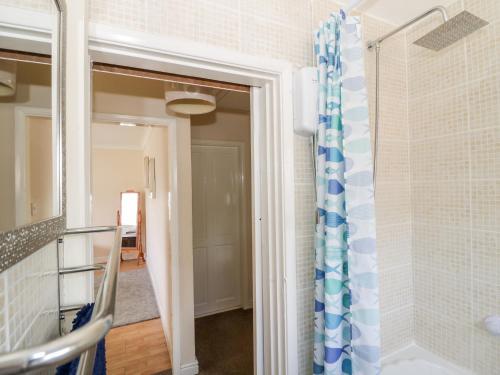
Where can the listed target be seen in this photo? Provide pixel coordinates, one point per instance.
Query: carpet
(224, 343)
(135, 298)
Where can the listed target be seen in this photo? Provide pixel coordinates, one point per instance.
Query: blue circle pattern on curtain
(346, 322)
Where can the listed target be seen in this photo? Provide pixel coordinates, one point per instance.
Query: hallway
(138, 349)
(224, 343)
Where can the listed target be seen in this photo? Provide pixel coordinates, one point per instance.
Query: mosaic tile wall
(46, 6)
(28, 301)
(393, 204)
(438, 193)
(454, 116)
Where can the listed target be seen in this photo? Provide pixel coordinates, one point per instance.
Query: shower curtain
(346, 323)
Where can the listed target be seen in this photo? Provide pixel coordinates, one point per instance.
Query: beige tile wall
(454, 117)
(438, 214)
(46, 6)
(393, 203)
(438, 193)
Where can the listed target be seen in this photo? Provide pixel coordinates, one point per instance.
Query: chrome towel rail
(83, 341)
(87, 230)
(92, 267)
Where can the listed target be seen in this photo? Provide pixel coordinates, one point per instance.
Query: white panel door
(217, 179)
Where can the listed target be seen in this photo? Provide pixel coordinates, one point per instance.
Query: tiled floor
(138, 349)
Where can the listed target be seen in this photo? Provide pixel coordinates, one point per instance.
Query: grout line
(27, 330)
(6, 311)
(449, 135)
(398, 309)
(399, 223)
(454, 88)
(240, 33)
(447, 226)
(469, 155)
(412, 255)
(393, 268)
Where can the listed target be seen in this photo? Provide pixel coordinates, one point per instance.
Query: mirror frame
(21, 242)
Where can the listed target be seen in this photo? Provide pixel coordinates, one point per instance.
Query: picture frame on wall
(152, 178)
(146, 172)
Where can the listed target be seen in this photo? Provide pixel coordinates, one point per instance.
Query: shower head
(451, 31)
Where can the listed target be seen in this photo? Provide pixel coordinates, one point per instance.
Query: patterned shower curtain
(347, 333)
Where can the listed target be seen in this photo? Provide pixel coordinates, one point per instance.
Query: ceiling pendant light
(189, 100)
(8, 71)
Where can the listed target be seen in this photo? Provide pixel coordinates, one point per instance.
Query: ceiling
(141, 87)
(112, 135)
(397, 12)
(233, 101)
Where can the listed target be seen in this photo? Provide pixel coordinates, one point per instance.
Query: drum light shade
(7, 77)
(189, 100)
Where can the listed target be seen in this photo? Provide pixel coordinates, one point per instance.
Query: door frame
(273, 194)
(244, 250)
(273, 171)
(21, 114)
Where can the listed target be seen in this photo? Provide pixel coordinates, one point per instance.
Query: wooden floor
(137, 349)
(126, 265)
(130, 265)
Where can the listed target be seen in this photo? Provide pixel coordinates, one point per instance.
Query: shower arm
(438, 9)
(375, 45)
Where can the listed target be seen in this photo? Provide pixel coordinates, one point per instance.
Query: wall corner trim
(190, 368)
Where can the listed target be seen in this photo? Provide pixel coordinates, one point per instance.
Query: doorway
(221, 268)
(127, 110)
(273, 217)
(122, 194)
(130, 188)
(222, 236)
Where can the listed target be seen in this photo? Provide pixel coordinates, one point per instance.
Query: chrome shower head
(451, 31)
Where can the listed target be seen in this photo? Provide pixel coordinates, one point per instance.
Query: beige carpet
(224, 343)
(135, 299)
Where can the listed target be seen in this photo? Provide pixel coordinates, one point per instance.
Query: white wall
(159, 257)
(113, 171)
(232, 126)
(128, 96)
(138, 97)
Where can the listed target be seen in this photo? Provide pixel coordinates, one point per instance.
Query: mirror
(129, 216)
(30, 119)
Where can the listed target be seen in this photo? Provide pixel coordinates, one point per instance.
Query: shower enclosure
(435, 96)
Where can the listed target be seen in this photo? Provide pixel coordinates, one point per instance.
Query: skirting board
(190, 368)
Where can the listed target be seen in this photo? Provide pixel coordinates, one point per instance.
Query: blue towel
(82, 317)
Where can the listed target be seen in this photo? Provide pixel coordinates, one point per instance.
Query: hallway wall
(138, 97)
(159, 256)
(113, 171)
